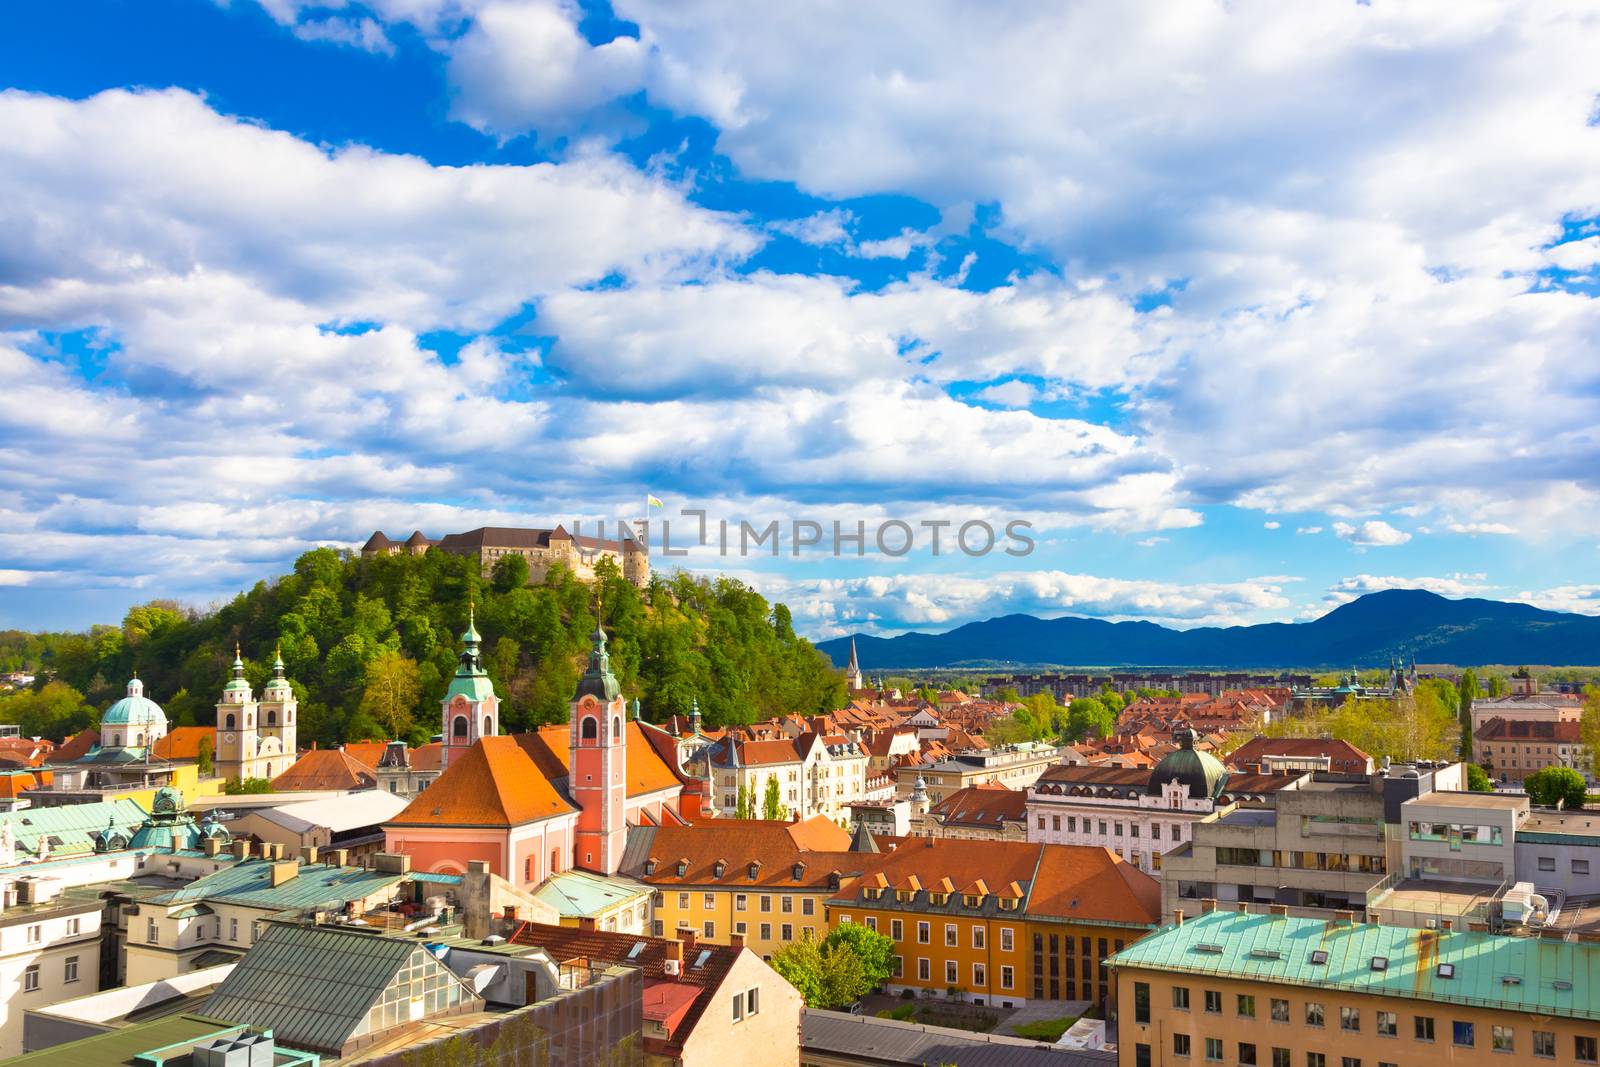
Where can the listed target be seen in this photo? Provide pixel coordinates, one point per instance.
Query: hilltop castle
(541, 548)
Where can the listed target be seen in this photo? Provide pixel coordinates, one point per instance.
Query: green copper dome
(1201, 772)
(135, 709)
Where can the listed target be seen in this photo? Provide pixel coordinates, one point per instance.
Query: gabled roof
(365, 752)
(1094, 883)
(1343, 756)
(757, 753)
(1498, 729)
(249, 884)
(76, 747)
(989, 806)
(550, 749)
(493, 783)
(774, 847)
(323, 769)
(183, 742)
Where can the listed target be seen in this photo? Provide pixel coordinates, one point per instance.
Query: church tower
(236, 726)
(277, 727)
(597, 776)
(471, 710)
(852, 673)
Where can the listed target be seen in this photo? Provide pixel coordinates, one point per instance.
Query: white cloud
(1581, 599)
(1271, 525)
(823, 228)
(1151, 542)
(1308, 530)
(1372, 532)
(1012, 394)
(1475, 528)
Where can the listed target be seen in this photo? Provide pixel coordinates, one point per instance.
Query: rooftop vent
(1510, 979)
(1446, 970)
(1209, 949)
(494, 939)
(1319, 957)
(1265, 954)
(1561, 984)
(1380, 963)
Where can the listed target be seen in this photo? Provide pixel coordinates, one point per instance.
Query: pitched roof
(76, 747)
(493, 783)
(70, 828)
(757, 753)
(324, 768)
(550, 749)
(365, 752)
(1343, 756)
(249, 884)
(183, 742)
(427, 757)
(1498, 729)
(775, 847)
(989, 806)
(1560, 978)
(1094, 883)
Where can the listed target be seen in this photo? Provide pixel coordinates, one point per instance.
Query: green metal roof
(1489, 971)
(249, 884)
(576, 894)
(126, 1045)
(312, 985)
(72, 825)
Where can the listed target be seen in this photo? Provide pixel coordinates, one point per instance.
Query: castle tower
(236, 745)
(470, 708)
(852, 673)
(597, 770)
(277, 726)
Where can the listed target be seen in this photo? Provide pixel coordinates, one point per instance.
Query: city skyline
(1247, 311)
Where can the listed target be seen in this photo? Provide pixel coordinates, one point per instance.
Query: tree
(54, 712)
(800, 964)
(875, 951)
(392, 691)
(510, 572)
(234, 787)
(1556, 785)
(203, 754)
(834, 973)
(1478, 780)
(1008, 730)
(771, 806)
(1589, 724)
(1468, 688)
(744, 807)
(1497, 687)
(1087, 717)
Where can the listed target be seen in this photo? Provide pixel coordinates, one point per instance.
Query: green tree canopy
(1556, 785)
(772, 803)
(845, 966)
(1088, 717)
(1478, 780)
(54, 711)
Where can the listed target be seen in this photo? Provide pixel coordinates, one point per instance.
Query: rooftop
(887, 1041)
(1503, 801)
(129, 1045)
(577, 893)
(1455, 967)
(249, 884)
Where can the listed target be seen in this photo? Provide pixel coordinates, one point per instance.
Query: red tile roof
(1513, 730)
(775, 847)
(183, 742)
(989, 806)
(1081, 882)
(76, 747)
(1344, 756)
(367, 752)
(324, 768)
(551, 748)
(493, 783)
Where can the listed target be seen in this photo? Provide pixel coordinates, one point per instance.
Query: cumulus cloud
(1270, 525)
(1372, 532)
(1308, 530)
(1475, 528)
(1581, 599)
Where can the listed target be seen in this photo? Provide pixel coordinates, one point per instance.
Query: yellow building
(1000, 922)
(1242, 988)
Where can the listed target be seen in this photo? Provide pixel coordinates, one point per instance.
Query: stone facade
(542, 549)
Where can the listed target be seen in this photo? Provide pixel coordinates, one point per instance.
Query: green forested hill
(371, 643)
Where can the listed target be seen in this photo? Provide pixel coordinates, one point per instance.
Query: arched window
(272, 718)
(229, 721)
(555, 860)
(488, 726)
(589, 729)
(616, 726)
(288, 717)
(458, 729)
(138, 739)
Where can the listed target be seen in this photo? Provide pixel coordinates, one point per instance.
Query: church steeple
(471, 709)
(597, 680)
(852, 672)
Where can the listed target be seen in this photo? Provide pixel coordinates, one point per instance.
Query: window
(1388, 1024)
(923, 933)
(923, 972)
(1423, 1027)
(1180, 1044)
(977, 937)
(1141, 1056)
(1213, 1002)
(1584, 1051)
(808, 906)
(738, 998)
(738, 928)
(710, 930)
(75, 924)
(766, 903)
(1180, 997)
(70, 970)
(683, 901)
(950, 938)
(752, 1002)
(1350, 1061)
(786, 905)
(1141, 1002)
(709, 901)
(233, 929)
(1316, 1059)
(897, 929)
(30, 979)
(1313, 1014)
(1580, 866)
(786, 932)
(1281, 1058)
(1502, 1039)
(1350, 1019)
(766, 931)
(1006, 942)
(1213, 1045)
(35, 934)
(1280, 1010)
(1247, 1053)
(871, 921)
(952, 973)
(152, 931)
(980, 976)
(1006, 977)
(741, 902)
(1463, 1033)
(1246, 1006)
(1544, 1043)
(1547, 863)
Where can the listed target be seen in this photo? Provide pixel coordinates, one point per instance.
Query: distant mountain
(1365, 632)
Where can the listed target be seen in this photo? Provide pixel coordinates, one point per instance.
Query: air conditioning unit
(1432, 924)
(672, 967)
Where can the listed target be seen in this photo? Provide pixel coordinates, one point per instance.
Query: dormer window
(718, 868)
(683, 868)
(833, 880)
(650, 866)
(799, 871)
(753, 870)
(971, 901)
(903, 895)
(938, 898)
(872, 892)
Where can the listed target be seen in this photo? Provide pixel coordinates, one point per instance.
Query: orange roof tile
(324, 768)
(367, 752)
(76, 746)
(493, 783)
(775, 847)
(550, 749)
(13, 784)
(183, 742)
(1084, 882)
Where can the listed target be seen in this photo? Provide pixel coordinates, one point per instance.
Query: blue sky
(1248, 309)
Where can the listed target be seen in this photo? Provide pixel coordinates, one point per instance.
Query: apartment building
(1013, 766)
(815, 774)
(1235, 988)
(1511, 749)
(49, 950)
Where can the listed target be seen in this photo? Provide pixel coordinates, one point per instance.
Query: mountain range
(1366, 632)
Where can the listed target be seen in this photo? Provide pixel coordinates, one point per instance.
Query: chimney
(1278, 909)
(241, 849)
(1177, 916)
(1344, 917)
(212, 846)
(1207, 906)
(586, 922)
(674, 961)
(686, 936)
(284, 870)
(736, 941)
(308, 854)
(339, 857)
(1244, 907)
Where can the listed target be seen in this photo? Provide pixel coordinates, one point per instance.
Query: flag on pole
(653, 501)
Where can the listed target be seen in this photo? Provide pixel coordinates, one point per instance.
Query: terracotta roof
(493, 783)
(183, 742)
(550, 749)
(14, 783)
(1498, 729)
(1109, 776)
(989, 806)
(1083, 882)
(427, 757)
(928, 860)
(704, 967)
(762, 753)
(324, 768)
(76, 747)
(30, 751)
(1343, 755)
(1239, 784)
(774, 846)
(365, 752)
